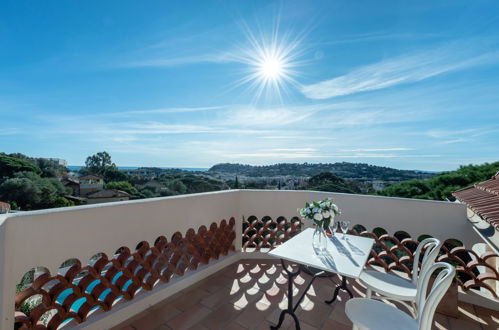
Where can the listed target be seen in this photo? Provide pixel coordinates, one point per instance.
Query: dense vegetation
(442, 185)
(101, 164)
(31, 183)
(11, 165)
(161, 182)
(344, 170)
(327, 181)
(35, 183)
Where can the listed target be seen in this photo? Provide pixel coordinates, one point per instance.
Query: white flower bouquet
(322, 213)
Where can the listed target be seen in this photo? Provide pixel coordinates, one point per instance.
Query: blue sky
(410, 85)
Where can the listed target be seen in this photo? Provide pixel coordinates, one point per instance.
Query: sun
(271, 59)
(271, 68)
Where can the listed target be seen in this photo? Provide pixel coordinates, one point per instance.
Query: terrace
(199, 261)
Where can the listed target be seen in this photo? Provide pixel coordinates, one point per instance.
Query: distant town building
(90, 184)
(107, 195)
(72, 183)
(378, 185)
(58, 161)
(150, 172)
(4, 208)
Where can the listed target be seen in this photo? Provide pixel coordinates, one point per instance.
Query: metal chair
(372, 314)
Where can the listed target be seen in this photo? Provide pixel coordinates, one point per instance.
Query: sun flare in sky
(271, 58)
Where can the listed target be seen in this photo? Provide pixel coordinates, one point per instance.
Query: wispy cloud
(458, 140)
(275, 155)
(378, 36)
(394, 71)
(160, 111)
(179, 60)
(462, 133)
(277, 116)
(446, 133)
(317, 155)
(377, 149)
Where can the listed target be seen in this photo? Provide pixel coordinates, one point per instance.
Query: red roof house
(483, 199)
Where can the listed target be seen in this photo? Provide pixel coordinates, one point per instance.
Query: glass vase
(319, 239)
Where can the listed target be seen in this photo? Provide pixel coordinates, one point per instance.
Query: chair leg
(369, 293)
(414, 309)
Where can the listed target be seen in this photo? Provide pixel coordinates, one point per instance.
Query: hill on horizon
(358, 171)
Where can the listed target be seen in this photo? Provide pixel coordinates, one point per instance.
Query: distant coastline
(74, 168)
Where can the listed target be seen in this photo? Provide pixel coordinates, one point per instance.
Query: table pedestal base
(291, 309)
(342, 286)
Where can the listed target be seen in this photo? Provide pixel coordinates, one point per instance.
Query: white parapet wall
(47, 238)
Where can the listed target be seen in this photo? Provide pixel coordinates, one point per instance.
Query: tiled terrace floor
(250, 294)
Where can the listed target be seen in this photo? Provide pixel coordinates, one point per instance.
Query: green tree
(123, 185)
(11, 165)
(49, 168)
(63, 202)
(112, 173)
(99, 163)
(177, 187)
(30, 191)
(441, 186)
(148, 192)
(327, 181)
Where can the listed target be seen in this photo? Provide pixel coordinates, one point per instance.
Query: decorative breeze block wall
(394, 253)
(78, 291)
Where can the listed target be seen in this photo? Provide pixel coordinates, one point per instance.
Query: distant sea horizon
(125, 168)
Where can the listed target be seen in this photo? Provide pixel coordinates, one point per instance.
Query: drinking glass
(344, 224)
(332, 227)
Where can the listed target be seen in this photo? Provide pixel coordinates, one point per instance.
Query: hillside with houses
(28, 183)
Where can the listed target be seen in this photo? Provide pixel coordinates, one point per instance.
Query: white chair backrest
(432, 247)
(427, 303)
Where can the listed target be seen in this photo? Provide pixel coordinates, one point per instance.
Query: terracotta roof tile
(91, 177)
(4, 207)
(109, 193)
(483, 199)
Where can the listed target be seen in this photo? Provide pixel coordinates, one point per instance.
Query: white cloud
(377, 149)
(274, 155)
(458, 140)
(258, 117)
(292, 149)
(398, 70)
(161, 111)
(180, 60)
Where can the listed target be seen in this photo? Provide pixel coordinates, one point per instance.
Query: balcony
(199, 261)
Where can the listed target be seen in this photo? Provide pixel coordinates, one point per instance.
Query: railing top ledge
(111, 204)
(212, 193)
(327, 193)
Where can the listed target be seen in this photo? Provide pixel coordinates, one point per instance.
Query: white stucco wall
(49, 237)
